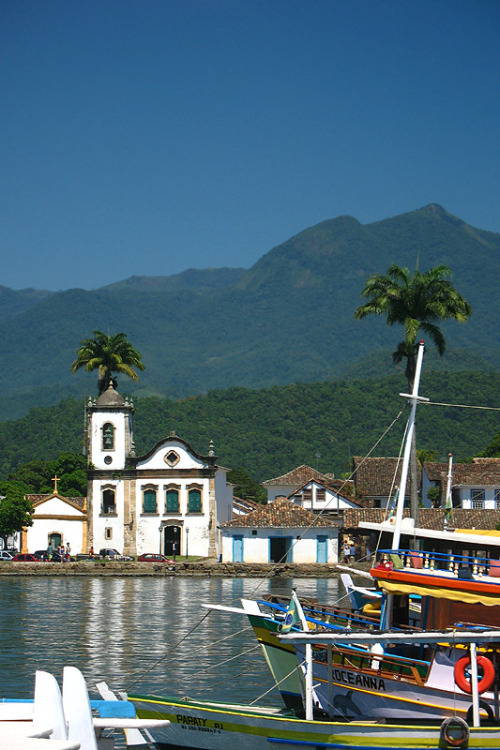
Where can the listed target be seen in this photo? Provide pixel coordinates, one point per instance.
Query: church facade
(171, 500)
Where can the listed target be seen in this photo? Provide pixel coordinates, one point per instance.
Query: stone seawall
(201, 568)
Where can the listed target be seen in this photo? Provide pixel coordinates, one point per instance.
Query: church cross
(55, 480)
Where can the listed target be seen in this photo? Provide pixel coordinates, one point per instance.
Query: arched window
(194, 501)
(108, 502)
(108, 437)
(172, 500)
(149, 501)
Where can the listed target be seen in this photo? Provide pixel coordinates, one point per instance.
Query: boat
(267, 616)
(66, 720)
(208, 725)
(217, 726)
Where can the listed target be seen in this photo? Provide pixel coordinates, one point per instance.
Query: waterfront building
(171, 500)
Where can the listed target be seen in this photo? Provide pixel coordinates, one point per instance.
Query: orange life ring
(486, 680)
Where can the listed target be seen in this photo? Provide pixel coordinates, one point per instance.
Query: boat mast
(448, 503)
(414, 399)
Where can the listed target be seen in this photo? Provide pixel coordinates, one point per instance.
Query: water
(149, 635)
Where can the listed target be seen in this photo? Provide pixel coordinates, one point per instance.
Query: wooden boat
(207, 725)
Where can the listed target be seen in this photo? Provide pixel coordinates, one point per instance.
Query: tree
(108, 354)
(245, 486)
(37, 477)
(415, 301)
(15, 510)
(426, 454)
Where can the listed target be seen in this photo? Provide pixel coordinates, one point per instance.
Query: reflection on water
(151, 634)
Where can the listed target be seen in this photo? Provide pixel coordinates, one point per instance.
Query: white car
(6, 555)
(113, 554)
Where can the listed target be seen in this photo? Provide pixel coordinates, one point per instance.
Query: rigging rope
(461, 406)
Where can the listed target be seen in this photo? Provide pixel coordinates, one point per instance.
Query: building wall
(56, 516)
(491, 497)
(134, 527)
(278, 491)
(256, 546)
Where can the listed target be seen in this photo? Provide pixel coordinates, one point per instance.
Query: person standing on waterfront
(346, 551)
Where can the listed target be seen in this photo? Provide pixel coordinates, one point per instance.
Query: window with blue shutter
(172, 501)
(149, 501)
(194, 501)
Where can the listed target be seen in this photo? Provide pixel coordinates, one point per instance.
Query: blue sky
(145, 137)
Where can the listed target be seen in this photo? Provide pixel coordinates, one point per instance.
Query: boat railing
(322, 615)
(450, 564)
(374, 663)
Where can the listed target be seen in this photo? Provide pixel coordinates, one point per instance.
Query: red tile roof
(374, 477)
(297, 477)
(482, 471)
(428, 518)
(279, 514)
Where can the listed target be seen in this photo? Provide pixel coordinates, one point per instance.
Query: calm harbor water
(145, 634)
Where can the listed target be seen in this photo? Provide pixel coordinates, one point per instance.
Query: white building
(280, 531)
(171, 500)
(318, 497)
(56, 520)
(284, 485)
(474, 486)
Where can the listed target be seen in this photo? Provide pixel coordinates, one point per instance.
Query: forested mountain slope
(289, 318)
(273, 430)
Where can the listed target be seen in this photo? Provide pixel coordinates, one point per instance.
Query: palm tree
(416, 301)
(108, 354)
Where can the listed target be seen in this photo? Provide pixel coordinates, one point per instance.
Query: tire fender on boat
(483, 706)
(454, 732)
(486, 680)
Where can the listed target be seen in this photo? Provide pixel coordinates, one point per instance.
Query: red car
(25, 557)
(151, 557)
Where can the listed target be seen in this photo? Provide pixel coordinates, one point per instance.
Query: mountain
(14, 302)
(289, 318)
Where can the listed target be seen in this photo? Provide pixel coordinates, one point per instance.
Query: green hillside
(287, 319)
(272, 430)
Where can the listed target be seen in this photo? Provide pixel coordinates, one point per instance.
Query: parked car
(25, 557)
(152, 557)
(6, 555)
(113, 554)
(41, 554)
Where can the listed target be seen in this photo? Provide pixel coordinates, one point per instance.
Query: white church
(171, 500)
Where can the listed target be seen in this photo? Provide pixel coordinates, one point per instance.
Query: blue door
(237, 549)
(322, 549)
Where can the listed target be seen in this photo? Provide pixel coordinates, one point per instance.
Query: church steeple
(109, 430)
